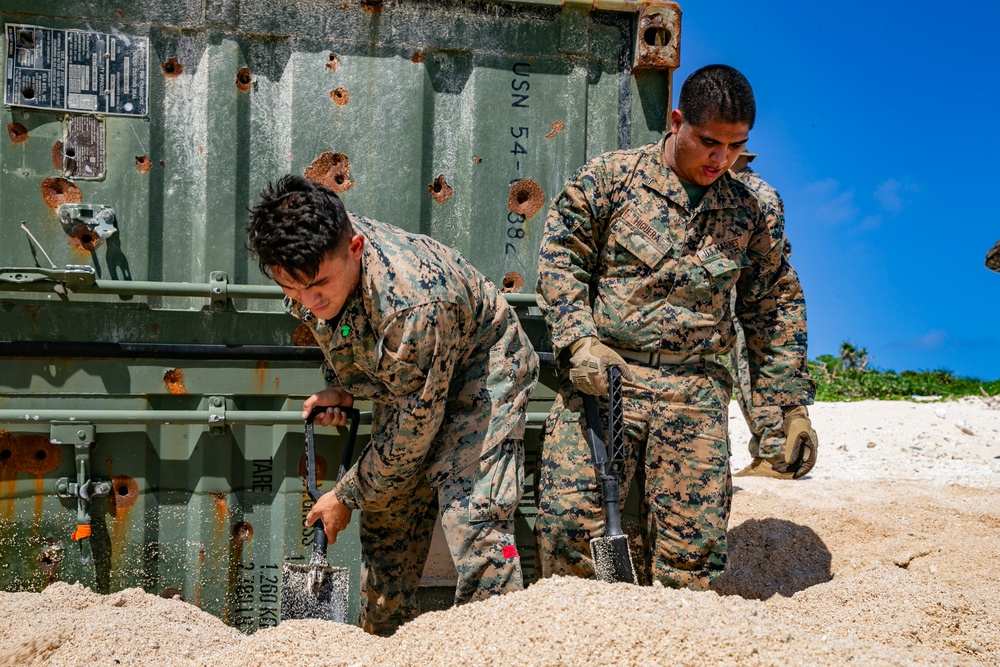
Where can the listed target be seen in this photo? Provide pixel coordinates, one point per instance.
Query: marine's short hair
(717, 92)
(295, 225)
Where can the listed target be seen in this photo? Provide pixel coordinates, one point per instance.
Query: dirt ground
(887, 554)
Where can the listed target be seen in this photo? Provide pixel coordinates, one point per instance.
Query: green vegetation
(848, 378)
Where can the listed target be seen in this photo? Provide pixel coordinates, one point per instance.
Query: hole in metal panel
(340, 96)
(59, 191)
(82, 236)
(26, 38)
(320, 467)
(28, 92)
(124, 491)
(656, 36)
(440, 189)
(526, 198)
(35, 454)
(18, 133)
(172, 68)
(243, 79)
(174, 380)
(171, 592)
(331, 170)
(333, 63)
(512, 282)
(419, 56)
(242, 531)
(143, 163)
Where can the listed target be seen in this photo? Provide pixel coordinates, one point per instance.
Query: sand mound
(887, 555)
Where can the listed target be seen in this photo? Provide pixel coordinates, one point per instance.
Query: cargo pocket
(723, 274)
(499, 485)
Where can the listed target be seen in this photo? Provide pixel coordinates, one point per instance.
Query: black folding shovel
(317, 590)
(612, 559)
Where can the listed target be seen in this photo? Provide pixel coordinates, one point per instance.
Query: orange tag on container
(82, 531)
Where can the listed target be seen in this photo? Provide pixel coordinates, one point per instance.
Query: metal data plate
(84, 157)
(76, 70)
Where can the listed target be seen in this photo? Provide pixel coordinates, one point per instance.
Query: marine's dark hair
(717, 92)
(296, 224)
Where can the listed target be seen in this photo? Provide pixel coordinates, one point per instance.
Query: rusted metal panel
(461, 120)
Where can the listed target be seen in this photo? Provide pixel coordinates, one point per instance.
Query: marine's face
(699, 154)
(327, 292)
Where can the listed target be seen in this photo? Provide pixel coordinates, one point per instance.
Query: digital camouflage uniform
(767, 439)
(993, 258)
(441, 355)
(625, 260)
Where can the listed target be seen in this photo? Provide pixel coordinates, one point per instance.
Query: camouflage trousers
(477, 514)
(676, 427)
(767, 436)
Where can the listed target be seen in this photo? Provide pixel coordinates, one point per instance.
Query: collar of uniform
(656, 174)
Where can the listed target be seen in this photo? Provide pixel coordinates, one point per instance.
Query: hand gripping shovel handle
(319, 534)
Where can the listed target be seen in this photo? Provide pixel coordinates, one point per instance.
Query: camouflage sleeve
(568, 256)
(772, 310)
(420, 350)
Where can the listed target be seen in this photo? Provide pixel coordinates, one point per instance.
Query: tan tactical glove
(801, 445)
(589, 363)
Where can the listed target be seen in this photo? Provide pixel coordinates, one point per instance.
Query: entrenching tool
(317, 590)
(612, 560)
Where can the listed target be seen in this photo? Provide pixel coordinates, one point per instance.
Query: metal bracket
(217, 415)
(219, 284)
(658, 37)
(88, 224)
(83, 436)
(74, 275)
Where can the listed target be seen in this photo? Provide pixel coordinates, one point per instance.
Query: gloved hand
(589, 363)
(800, 448)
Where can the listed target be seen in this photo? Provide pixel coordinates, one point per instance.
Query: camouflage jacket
(439, 352)
(625, 259)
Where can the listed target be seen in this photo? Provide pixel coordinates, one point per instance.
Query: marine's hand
(801, 443)
(332, 397)
(589, 363)
(333, 513)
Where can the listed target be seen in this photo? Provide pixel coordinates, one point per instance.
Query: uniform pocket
(499, 485)
(723, 274)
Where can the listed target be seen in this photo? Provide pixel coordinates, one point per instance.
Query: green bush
(848, 378)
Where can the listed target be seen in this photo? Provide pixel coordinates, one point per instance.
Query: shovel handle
(319, 534)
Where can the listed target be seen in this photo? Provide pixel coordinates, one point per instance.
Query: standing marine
(641, 252)
(410, 325)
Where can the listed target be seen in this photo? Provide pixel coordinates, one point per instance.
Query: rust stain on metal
(18, 133)
(57, 155)
(320, 468)
(7, 459)
(526, 198)
(172, 69)
(333, 63)
(242, 531)
(303, 336)
(143, 164)
(59, 191)
(371, 6)
(83, 238)
(50, 556)
(658, 44)
(172, 592)
(512, 282)
(124, 492)
(440, 189)
(419, 56)
(39, 497)
(174, 380)
(332, 170)
(557, 127)
(476, 159)
(221, 511)
(244, 80)
(260, 375)
(35, 454)
(340, 96)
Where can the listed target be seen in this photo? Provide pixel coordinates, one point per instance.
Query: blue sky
(874, 122)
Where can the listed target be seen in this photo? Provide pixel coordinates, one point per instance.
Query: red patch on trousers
(510, 551)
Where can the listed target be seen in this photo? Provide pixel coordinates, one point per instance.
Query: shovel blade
(612, 559)
(314, 591)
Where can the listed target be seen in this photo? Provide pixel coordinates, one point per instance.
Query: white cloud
(934, 339)
(890, 194)
(827, 204)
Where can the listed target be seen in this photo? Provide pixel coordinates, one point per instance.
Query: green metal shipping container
(150, 383)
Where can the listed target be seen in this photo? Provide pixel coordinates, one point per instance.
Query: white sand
(887, 554)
